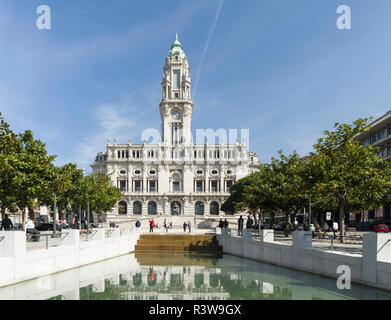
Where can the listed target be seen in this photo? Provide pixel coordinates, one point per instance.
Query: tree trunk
(287, 223)
(2, 213)
(259, 222)
(23, 218)
(316, 224)
(341, 224)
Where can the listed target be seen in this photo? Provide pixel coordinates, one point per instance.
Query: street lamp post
(79, 217)
(88, 218)
(54, 235)
(309, 213)
(309, 208)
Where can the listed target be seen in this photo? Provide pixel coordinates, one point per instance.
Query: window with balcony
(137, 186)
(199, 186)
(122, 185)
(152, 186)
(176, 186)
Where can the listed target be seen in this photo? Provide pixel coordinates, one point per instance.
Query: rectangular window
(199, 186)
(175, 186)
(137, 186)
(214, 186)
(229, 185)
(176, 95)
(176, 79)
(122, 185)
(152, 186)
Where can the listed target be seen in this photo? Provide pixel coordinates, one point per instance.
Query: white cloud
(112, 121)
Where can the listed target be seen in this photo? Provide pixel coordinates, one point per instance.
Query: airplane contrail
(207, 46)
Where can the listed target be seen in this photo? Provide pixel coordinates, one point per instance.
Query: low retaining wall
(373, 268)
(17, 264)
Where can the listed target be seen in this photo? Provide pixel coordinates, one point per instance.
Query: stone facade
(175, 177)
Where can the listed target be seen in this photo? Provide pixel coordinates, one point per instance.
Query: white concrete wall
(17, 264)
(302, 256)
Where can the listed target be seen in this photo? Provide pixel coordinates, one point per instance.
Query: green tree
(287, 185)
(350, 176)
(9, 147)
(105, 195)
(35, 172)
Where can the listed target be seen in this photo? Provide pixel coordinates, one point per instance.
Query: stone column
(13, 245)
(376, 247)
(302, 239)
(267, 235)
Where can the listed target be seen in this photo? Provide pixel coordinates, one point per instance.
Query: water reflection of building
(202, 279)
(175, 282)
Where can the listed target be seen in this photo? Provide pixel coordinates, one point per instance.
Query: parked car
(280, 226)
(17, 226)
(46, 226)
(381, 228)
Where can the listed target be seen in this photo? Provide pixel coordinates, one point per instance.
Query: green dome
(176, 47)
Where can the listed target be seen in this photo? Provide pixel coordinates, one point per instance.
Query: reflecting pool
(173, 276)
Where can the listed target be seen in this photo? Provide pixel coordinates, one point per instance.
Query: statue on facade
(175, 209)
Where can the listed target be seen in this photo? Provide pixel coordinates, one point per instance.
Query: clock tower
(176, 107)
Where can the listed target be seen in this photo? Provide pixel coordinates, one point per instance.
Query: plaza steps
(181, 259)
(178, 243)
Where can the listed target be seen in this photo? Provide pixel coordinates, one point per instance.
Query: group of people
(249, 224)
(7, 225)
(223, 224)
(187, 226)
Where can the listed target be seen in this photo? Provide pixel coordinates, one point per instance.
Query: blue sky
(280, 68)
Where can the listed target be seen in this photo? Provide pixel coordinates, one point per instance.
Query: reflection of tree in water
(254, 291)
(198, 280)
(137, 279)
(112, 292)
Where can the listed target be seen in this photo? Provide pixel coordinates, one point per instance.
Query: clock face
(176, 115)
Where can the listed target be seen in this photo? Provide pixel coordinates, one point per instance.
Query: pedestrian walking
(151, 226)
(184, 226)
(6, 224)
(189, 226)
(226, 223)
(240, 225)
(331, 226)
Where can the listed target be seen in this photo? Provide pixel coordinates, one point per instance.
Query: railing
(30, 236)
(90, 233)
(108, 233)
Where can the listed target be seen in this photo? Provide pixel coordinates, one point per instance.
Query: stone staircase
(178, 243)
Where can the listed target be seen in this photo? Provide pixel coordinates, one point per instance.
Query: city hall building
(175, 177)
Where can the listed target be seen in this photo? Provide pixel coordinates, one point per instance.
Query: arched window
(176, 208)
(152, 207)
(137, 207)
(214, 208)
(199, 208)
(122, 208)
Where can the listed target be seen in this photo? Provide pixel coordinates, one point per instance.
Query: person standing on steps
(184, 226)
